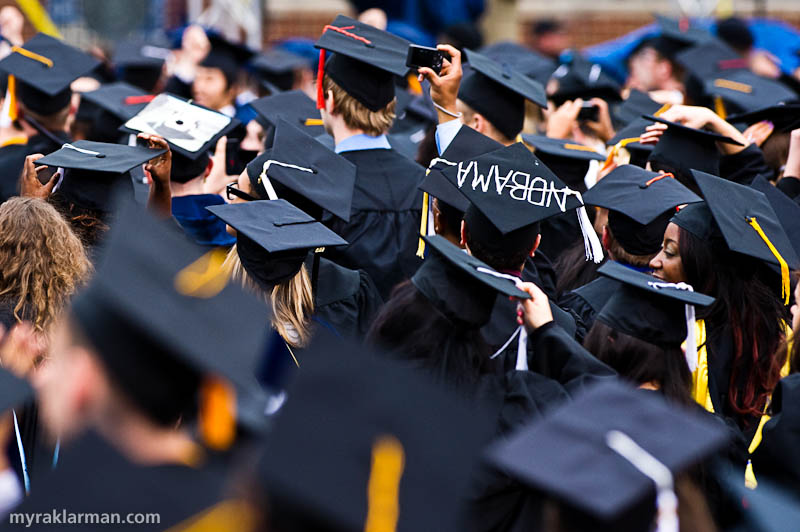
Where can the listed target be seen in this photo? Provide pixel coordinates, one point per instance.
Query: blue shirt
(363, 142)
(204, 228)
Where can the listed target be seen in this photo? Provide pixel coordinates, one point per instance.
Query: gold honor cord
(204, 278)
(217, 417)
(383, 489)
(785, 288)
(312, 122)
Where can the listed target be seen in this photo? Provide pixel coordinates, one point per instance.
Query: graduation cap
(190, 129)
(521, 59)
(293, 106)
(785, 117)
(677, 35)
(158, 311)
(637, 103)
(364, 61)
(640, 205)
(652, 310)
(93, 171)
(604, 453)
(14, 390)
(45, 67)
(788, 211)
(582, 79)
(498, 92)
(744, 91)
(569, 160)
(684, 148)
(767, 508)
(108, 107)
(627, 138)
(227, 56)
(352, 426)
(140, 63)
(709, 58)
(273, 238)
(746, 220)
(300, 169)
(276, 69)
(510, 190)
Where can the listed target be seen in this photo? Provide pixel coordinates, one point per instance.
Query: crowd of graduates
(257, 291)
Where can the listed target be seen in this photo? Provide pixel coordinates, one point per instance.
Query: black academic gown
(588, 300)
(744, 166)
(92, 477)
(345, 301)
(12, 160)
(383, 231)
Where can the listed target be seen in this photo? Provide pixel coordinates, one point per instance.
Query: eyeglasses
(233, 190)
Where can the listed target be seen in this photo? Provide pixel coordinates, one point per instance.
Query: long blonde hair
(42, 262)
(292, 301)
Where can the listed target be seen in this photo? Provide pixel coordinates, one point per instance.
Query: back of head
(356, 115)
(503, 252)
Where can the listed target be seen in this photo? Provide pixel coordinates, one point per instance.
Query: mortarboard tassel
(321, 65)
(785, 287)
(592, 245)
(264, 180)
(590, 179)
(383, 487)
(614, 152)
(719, 107)
(217, 419)
(690, 351)
(648, 465)
(522, 332)
(426, 227)
(204, 278)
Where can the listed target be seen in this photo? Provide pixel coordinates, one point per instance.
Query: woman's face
(796, 309)
(667, 264)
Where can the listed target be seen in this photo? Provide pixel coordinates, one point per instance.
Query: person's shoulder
(384, 156)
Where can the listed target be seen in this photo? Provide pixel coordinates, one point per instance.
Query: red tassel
(320, 74)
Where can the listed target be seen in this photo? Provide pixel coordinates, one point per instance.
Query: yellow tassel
(414, 85)
(615, 151)
(719, 108)
(46, 61)
(423, 225)
(313, 122)
(664, 109)
(785, 288)
(12, 95)
(217, 413)
(383, 489)
(204, 278)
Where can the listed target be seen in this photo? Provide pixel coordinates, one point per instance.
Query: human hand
(158, 168)
(792, 168)
(562, 121)
(536, 310)
(22, 350)
(444, 86)
(602, 127)
(30, 186)
(217, 179)
(652, 134)
(764, 64)
(759, 132)
(689, 115)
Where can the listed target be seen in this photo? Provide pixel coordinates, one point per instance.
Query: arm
(29, 184)
(444, 93)
(159, 169)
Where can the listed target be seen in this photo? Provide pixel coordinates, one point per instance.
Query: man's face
(210, 88)
(642, 70)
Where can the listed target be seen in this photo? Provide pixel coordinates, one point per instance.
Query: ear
(330, 103)
(536, 244)
(479, 123)
(209, 167)
(463, 242)
(606, 238)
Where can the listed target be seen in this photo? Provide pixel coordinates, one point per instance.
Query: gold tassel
(423, 225)
(414, 85)
(383, 489)
(785, 288)
(204, 278)
(217, 413)
(12, 94)
(615, 151)
(719, 108)
(313, 122)
(664, 108)
(46, 61)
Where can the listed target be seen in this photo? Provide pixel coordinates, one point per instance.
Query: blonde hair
(292, 301)
(42, 262)
(356, 115)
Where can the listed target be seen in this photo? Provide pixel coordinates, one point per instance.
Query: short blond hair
(356, 115)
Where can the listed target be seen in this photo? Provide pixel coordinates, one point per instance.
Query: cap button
(101, 155)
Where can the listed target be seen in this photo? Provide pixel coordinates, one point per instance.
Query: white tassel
(262, 178)
(521, 332)
(591, 244)
(690, 351)
(590, 179)
(648, 465)
(522, 348)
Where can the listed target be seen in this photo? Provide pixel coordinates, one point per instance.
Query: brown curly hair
(42, 262)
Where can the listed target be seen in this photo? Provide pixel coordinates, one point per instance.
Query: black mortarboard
(576, 452)
(460, 286)
(743, 91)
(122, 100)
(158, 311)
(316, 174)
(93, 171)
(498, 92)
(647, 308)
(294, 107)
(365, 61)
(227, 56)
(352, 425)
(638, 152)
(677, 35)
(14, 391)
(190, 129)
(709, 58)
(583, 79)
(637, 103)
(785, 117)
(45, 67)
(467, 144)
(684, 148)
(140, 63)
(567, 159)
(769, 507)
(788, 211)
(510, 190)
(746, 220)
(521, 59)
(640, 204)
(276, 69)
